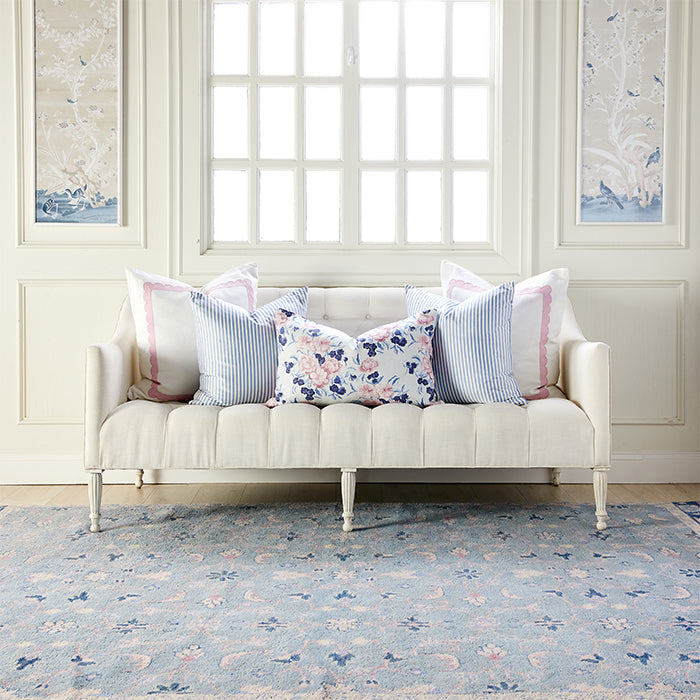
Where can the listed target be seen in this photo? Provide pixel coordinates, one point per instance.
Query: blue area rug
(445, 601)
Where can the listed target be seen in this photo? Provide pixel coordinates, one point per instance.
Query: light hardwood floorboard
(232, 494)
(226, 494)
(691, 491)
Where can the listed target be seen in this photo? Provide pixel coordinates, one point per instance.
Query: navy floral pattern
(389, 364)
(423, 601)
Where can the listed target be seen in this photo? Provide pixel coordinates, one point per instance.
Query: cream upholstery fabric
(569, 429)
(145, 434)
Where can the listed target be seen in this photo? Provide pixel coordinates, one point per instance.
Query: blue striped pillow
(472, 357)
(237, 350)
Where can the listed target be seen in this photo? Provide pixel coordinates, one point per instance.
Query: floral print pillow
(322, 365)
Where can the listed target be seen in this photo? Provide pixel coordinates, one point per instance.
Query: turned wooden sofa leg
(95, 496)
(348, 479)
(556, 476)
(138, 482)
(600, 492)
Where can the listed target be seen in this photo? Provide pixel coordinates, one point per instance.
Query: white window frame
(352, 262)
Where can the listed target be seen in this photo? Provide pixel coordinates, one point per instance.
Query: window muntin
(364, 123)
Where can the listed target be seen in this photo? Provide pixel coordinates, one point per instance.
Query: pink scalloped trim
(148, 288)
(238, 283)
(546, 292)
(461, 284)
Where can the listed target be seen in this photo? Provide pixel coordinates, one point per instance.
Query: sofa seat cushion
(550, 432)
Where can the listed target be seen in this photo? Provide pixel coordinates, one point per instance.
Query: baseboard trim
(627, 468)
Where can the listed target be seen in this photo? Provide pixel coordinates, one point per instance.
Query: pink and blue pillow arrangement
(476, 344)
(472, 346)
(237, 349)
(321, 365)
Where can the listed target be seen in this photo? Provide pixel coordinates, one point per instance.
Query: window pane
(378, 207)
(230, 199)
(277, 121)
(323, 205)
(470, 197)
(377, 123)
(230, 122)
(230, 39)
(424, 123)
(322, 132)
(423, 207)
(471, 39)
(425, 39)
(379, 39)
(276, 205)
(470, 125)
(323, 38)
(276, 38)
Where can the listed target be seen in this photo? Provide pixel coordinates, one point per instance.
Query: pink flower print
(368, 365)
(425, 344)
(309, 364)
(427, 366)
(321, 345)
(491, 651)
(332, 366)
(281, 318)
(367, 395)
(475, 599)
(380, 334)
(306, 343)
(319, 377)
(425, 319)
(192, 652)
(385, 391)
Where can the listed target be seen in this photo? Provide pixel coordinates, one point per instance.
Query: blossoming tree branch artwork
(622, 93)
(77, 107)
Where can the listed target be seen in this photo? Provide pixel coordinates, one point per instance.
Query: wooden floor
(372, 493)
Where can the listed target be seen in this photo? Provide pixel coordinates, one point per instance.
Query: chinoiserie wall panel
(58, 319)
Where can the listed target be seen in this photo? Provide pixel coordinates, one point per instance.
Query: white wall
(59, 296)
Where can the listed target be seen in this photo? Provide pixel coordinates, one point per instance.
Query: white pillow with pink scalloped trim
(165, 330)
(538, 309)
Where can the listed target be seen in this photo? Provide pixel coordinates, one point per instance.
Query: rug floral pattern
(420, 600)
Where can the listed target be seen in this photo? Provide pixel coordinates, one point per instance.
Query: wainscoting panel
(643, 323)
(57, 320)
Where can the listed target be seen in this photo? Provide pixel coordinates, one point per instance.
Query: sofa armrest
(585, 379)
(108, 375)
(110, 369)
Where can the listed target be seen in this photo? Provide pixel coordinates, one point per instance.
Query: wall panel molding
(69, 373)
(653, 353)
(132, 231)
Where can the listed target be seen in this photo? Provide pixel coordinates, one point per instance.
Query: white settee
(569, 429)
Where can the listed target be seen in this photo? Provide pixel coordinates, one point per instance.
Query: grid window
(350, 123)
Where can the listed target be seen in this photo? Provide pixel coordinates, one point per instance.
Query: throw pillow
(237, 350)
(165, 334)
(538, 309)
(471, 347)
(322, 365)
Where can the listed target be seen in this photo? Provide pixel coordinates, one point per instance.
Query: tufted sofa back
(352, 310)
